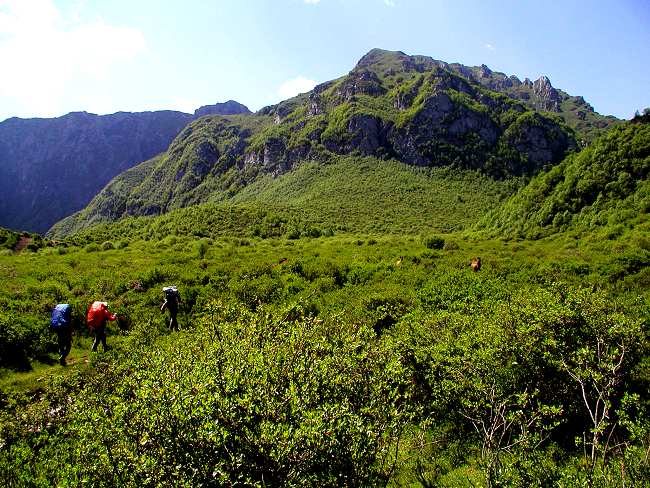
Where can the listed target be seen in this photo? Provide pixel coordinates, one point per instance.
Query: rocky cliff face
(50, 168)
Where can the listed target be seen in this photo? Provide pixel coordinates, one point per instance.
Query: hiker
(97, 316)
(61, 324)
(171, 303)
(476, 264)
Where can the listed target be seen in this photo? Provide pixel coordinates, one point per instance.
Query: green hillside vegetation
(603, 192)
(329, 361)
(8, 239)
(369, 195)
(332, 332)
(386, 107)
(351, 194)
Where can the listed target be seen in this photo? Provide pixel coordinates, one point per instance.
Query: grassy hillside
(353, 194)
(370, 195)
(602, 191)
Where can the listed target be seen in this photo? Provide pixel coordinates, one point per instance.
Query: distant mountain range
(413, 109)
(50, 168)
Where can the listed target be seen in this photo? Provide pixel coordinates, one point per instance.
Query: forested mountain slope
(415, 110)
(604, 187)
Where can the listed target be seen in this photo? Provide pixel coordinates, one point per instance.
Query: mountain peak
(230, 107)
(376, 54)
(548, 96)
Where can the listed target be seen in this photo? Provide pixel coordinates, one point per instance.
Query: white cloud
(489, 46)
(293, 87)
(45, 53)
(389, 3)
(313, 2)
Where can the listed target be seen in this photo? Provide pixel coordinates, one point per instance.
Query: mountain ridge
(389, 106)
(51, 167)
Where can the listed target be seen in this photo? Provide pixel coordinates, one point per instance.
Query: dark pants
(173, 323)
(64, 338)
(100, 336)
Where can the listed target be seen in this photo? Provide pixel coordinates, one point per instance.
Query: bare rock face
(227, 108)
(548, 97)
(539, 139)
(360, 82)
(366, 133)
(437, 128)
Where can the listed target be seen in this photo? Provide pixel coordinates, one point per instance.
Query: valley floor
(345, 360)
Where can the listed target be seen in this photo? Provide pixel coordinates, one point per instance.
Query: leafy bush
(450, 245)
(433, 242)
(92, 247)
(258, 401)
(202, 249)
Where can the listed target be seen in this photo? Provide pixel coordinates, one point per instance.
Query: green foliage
(324, 362)
(359, 195)
(8, 239)
(605, 185)
(433, 242)
(202, 248)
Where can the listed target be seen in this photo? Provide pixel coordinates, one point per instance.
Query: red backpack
(97, 314)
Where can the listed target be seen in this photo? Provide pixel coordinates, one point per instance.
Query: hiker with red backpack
(97, 316)
(61, 323)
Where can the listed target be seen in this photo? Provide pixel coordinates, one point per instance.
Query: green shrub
(107, 246)
(433, 242)
(202, 249)
(450, 245)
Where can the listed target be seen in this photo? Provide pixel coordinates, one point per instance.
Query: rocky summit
(412, 109)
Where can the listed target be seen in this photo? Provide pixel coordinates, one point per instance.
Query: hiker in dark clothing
(98, 314)
(64, 338)
(61, 324)
(171, 303)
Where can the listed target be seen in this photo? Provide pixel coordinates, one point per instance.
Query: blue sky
(103, 56)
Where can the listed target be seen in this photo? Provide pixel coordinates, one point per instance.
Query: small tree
(597, 366)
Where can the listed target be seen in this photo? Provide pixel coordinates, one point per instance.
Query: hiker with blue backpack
(171, 303)
(61, 323)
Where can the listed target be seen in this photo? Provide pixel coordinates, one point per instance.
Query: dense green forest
(602, 190)
(341, 338)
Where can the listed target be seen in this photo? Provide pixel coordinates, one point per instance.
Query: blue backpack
(61, 316)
